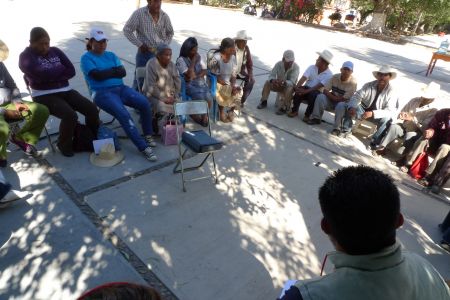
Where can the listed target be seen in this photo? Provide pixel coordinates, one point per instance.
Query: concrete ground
(240, 239)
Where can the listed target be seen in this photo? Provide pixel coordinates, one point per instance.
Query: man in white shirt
(311, 84)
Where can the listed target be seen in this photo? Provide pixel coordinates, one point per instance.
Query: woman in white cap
(103, 72)
(47, 71)
(244, 64)
(223, 64)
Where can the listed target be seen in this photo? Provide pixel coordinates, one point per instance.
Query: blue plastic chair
(213, 87)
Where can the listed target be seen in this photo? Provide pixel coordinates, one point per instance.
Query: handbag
(419, 166)
(169, 132)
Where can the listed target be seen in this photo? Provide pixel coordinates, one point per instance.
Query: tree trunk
(378, 23)
(414, 32)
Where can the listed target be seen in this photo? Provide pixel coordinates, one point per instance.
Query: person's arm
(348, 94)
(9, 82)
(114, 72)
(274, 73)
(169, 29)
(69, 70)
(291, 78)
(176, 81)
(249, 63)
(130, 28)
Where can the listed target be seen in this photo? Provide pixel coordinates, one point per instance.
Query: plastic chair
(198, 141)
(140, 76)
(213, 86)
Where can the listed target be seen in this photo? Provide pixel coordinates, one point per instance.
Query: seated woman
(47, 71)
(104, 72)
(162, 83)
(12, 108)
(224, 65)
(193, 69)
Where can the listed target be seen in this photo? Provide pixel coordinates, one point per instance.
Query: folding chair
(213, 86)
(140, 76)
(198, 141)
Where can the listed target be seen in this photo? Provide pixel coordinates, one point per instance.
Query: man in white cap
(282, 80)
(377, 101)
(244, 64)
(311, 84)
(339, 89)
(411, 120)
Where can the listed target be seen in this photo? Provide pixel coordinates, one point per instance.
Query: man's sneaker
(262, 104)
(148, 152)
(150, 141)
(313, 122)
(292, 114)
(26, 148)
(346, 134)
(281, 111)
(335, 132)
(305, 119)
(11, 197)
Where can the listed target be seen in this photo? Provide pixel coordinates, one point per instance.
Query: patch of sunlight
(162, 253)
(268, 134)
(424, 239)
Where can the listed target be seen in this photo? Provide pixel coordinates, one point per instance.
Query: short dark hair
(361, 206)
(226, 43)
(123, 291)
(38, 33)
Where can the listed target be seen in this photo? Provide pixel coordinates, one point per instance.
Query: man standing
(311, 83)
(282, 80)
(413, 118)
(361, 215)
(244, 64)
(339, 89)
(146, 28)
(376, 101)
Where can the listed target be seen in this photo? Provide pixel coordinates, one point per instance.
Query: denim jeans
(141, 61)
(113, 101)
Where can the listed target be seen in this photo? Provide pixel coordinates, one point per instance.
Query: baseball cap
(348, 65)
(288, 55)
(97, 34)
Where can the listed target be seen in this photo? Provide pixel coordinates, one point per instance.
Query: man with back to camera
(361, 213)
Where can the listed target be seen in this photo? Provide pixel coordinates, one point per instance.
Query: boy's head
(361, 210)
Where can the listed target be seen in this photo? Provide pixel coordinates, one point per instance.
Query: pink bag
(169, 132)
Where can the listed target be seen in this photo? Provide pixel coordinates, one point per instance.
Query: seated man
(339, 89)
(412, 119)
(282, 80)
(361, 213)
(435, 141)
(311, 83)
(244, 64)
(376, 101)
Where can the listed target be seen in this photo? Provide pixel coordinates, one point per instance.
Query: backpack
(82, 139)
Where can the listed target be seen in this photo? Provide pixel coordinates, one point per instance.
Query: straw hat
(242, 35)
(326, 55)
(107, 156)
(385, 69)
(4, 51)
(431, 90)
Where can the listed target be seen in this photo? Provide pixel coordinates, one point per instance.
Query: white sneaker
(11, 197)
(148, 152)
(150, 141)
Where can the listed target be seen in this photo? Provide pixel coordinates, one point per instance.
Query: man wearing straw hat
(376, 100)
(411, 120)
(311, 84)
(244, 63)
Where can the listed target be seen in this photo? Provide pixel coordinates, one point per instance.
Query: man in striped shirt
(146, 28)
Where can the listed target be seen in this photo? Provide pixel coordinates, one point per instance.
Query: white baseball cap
(97, 34)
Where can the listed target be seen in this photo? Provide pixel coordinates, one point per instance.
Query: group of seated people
(48, 70)
(421, 125)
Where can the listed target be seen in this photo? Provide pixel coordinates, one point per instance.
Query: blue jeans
(141, 61)
(113, 101)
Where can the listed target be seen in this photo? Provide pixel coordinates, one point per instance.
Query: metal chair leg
(49, 140)
(215, 169)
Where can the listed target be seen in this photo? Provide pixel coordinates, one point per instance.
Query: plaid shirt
(147, 31)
